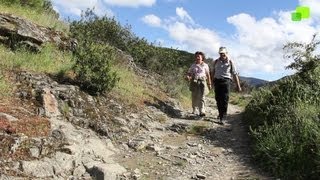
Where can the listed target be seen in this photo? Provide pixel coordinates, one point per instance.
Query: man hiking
(222, 72)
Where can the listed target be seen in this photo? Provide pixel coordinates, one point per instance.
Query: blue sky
(253, 31)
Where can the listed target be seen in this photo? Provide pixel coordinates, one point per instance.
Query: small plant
(162, 118)
(180, 163)
(239, 99)
(65, 110)
(197, 129)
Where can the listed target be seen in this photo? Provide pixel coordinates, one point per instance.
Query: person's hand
(188, 78)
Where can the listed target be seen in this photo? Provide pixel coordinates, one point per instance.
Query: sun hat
(223, 50)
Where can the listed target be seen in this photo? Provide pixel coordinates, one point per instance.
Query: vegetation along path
(190, 148)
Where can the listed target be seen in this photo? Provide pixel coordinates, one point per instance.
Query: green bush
(10, 2)
(101, 29)
(93, 68)
(285, 118)
(286, 130)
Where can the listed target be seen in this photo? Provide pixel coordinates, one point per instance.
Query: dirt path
(190, 148)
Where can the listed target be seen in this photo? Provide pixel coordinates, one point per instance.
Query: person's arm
(208, 78)
(236, 78)
(189, 74)
(212, 71)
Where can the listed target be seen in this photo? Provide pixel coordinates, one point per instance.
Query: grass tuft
(49, 60)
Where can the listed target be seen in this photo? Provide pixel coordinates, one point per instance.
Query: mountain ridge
(255, 82)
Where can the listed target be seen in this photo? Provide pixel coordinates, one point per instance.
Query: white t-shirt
(199, 70)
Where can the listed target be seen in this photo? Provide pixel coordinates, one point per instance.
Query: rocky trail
(190, 148)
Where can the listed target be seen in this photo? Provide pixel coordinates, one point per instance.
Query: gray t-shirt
(223, 69)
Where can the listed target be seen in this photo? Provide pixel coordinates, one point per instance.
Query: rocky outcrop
(69, 102)
(15, 31)
(78, 145)
(69, 152)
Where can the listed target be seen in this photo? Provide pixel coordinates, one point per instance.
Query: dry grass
(133, 89)
(27, 123)
(44, 19)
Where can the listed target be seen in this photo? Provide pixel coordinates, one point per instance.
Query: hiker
(200, 83)
(222, 73)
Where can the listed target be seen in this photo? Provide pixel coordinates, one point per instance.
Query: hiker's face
(198, 58)
(223, 55)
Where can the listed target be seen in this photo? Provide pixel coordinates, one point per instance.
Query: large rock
(106, 171)
(50, 103)
(15, 31)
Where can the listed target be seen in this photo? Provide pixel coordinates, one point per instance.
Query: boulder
(16, 31)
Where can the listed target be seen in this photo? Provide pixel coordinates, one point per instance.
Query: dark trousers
(222, 89)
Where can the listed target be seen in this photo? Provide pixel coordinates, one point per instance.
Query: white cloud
(194, 39)
(257, 34)
(263, 40)
(152, 20)
(185, 34)
(75, 7)
(131, 3)
(183, 15)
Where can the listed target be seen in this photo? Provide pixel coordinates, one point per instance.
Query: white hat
(223, 50)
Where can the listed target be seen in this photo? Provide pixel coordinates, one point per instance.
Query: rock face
(15, 31)
(78, 145)
(68, 101)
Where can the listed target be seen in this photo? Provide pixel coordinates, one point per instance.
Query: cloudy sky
(253, 31)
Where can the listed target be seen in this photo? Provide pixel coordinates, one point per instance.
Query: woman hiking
(200, 83)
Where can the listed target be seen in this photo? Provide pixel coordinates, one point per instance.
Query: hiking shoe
(194, 111)
(221, 121)
(222, 118)
(202, 115)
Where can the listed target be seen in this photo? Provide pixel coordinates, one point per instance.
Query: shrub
(101, 29)
(285, 118)
(93, 68)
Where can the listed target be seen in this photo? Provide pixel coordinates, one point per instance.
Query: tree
(305, 60)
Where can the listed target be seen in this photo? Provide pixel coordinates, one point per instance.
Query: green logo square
(305, 11)
(295, 16)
